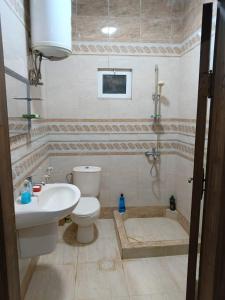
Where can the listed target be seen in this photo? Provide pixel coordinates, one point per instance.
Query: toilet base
(85, 234)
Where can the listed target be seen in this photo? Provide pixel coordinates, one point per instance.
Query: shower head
(160, 86)
(161, 83)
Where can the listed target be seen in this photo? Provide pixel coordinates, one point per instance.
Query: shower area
(162, 227)
(156, 230)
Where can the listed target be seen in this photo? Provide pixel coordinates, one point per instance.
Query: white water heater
(51, 29)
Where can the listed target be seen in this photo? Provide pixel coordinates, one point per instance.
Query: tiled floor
(154, 229)
(95, 271)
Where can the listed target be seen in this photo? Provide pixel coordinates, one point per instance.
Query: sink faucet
(46, 178)
(48, 175)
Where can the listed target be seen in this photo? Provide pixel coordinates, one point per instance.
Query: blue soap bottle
(122, 205)
(26, 194)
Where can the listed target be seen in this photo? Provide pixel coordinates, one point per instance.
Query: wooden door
(212, 258)
(198, 176)
(9, 274)
(211, 285)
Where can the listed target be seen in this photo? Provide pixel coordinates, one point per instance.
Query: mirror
(17, 94)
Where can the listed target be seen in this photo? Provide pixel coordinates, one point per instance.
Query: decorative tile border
(28, 163)
(22, 167)
(22, 137)
(137, 49)
(113, 147)
(62, 138)
(118, 126)
(88, 127)
(85, 48)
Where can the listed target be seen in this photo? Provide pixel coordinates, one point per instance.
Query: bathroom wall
(15, 32)
(13, 18)
(115, 133)
(25, 149)
(78, 128)
(187, 109)
(88, 127)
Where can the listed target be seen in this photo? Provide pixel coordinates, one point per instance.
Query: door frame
(198, 174)
(9, 270)
(212, 262)
(212, 258)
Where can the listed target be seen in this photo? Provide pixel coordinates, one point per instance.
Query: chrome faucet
(48, 175)
(154, 154)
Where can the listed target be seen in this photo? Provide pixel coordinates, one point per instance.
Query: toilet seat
(87, 207)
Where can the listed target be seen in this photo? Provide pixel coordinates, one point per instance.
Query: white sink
(36, 222)
(54, 202)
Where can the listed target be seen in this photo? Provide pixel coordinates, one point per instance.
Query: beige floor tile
(176, 296)
(177, 269)
(120, 298)
(61, 230)
(64, 254)
(106, 229)
(148, 276)
(103, 280)
(103, 298)
(52, 283)
(99, 250)
(168, 296)
(95, 271)
(146, 297)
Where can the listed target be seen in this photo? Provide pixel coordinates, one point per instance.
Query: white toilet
(87, 211)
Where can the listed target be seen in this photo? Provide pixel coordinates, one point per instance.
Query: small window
(114, 83)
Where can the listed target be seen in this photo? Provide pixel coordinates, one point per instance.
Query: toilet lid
(87, 206)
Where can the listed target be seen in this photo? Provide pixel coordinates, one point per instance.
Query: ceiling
(158, 21)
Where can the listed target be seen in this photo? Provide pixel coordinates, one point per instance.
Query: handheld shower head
(160, 85)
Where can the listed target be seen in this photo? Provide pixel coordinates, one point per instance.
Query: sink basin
(54, 202)
(37, 222)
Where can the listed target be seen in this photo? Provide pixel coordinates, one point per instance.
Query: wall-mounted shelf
(26, 81)
(29, 116)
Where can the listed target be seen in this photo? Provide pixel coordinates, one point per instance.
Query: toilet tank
(87, 179)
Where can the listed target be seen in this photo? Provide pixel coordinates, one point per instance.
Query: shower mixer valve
(154, 154)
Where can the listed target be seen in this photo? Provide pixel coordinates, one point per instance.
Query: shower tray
(151, 231)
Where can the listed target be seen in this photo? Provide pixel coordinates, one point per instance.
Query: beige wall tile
(89, 28)
(128, 29)
(147, 13)
(156, 8)
(124, 8)
(15, 50)
(157, 30)
(78, 87)
(92, 8)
